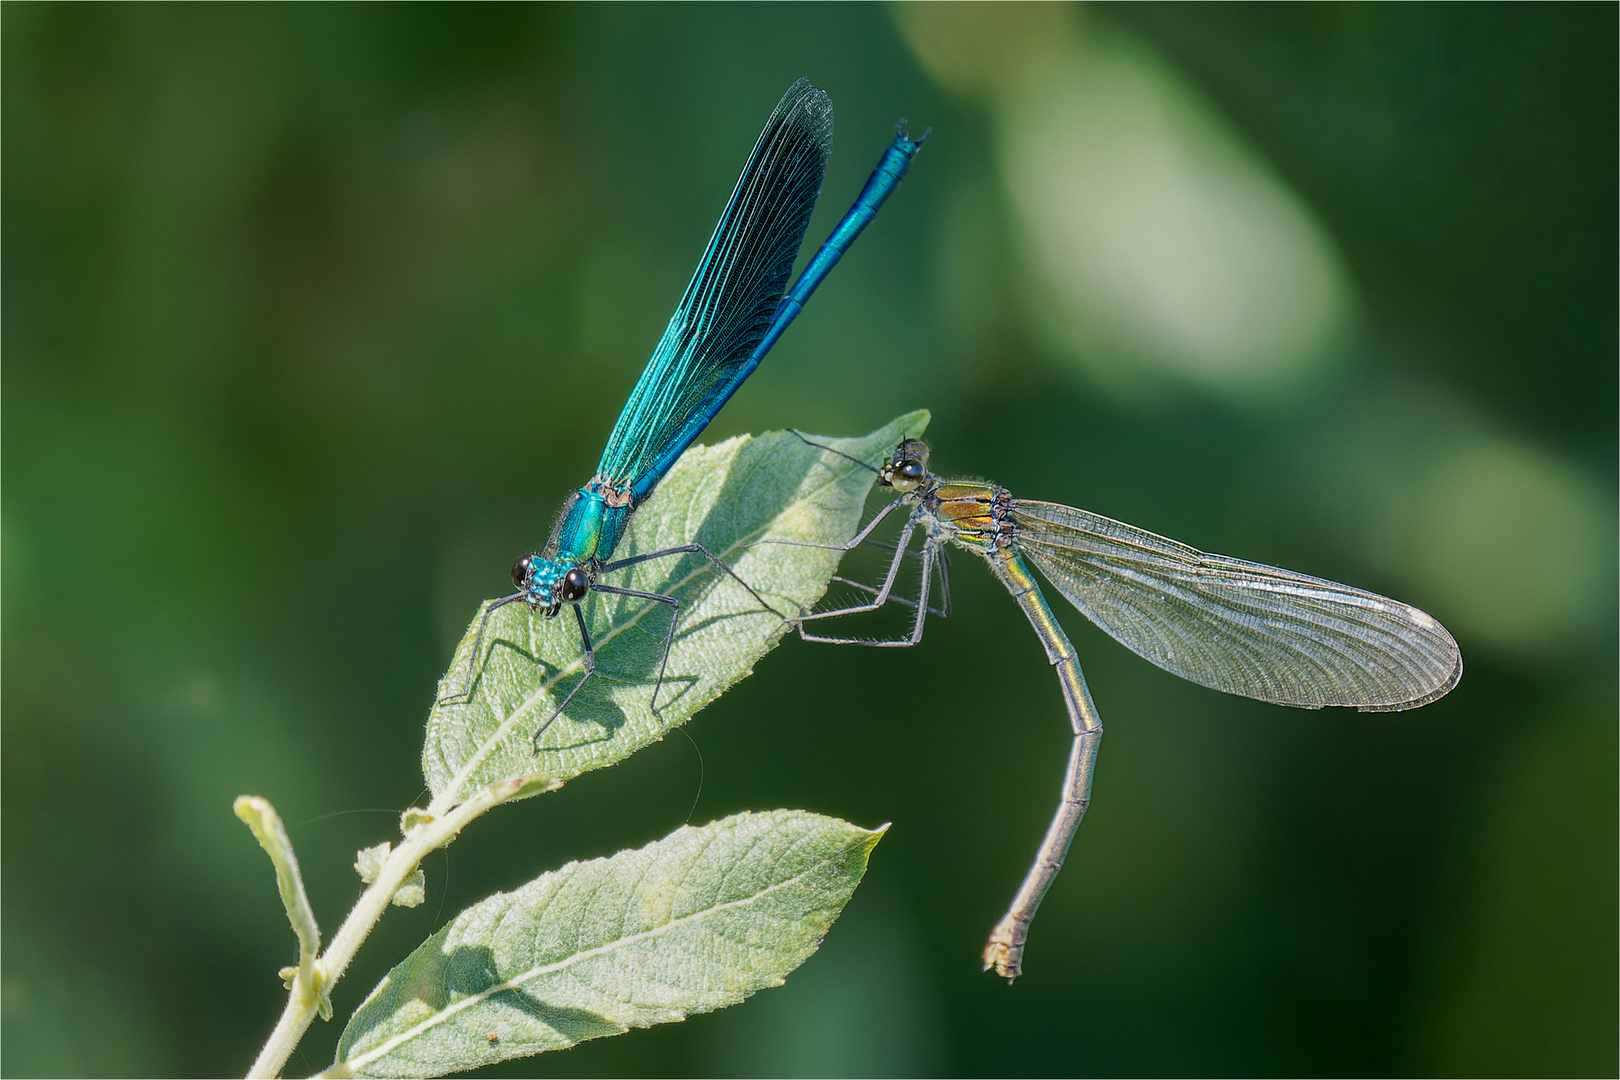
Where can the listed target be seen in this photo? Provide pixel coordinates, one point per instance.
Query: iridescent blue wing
(732, 296)
(1239, 626)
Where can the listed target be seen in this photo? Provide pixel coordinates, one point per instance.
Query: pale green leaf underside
(692, 923)
(725, 497)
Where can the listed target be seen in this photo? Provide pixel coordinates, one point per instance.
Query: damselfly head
(548, 583)
(907, 468)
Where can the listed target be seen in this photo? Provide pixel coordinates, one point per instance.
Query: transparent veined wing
(1238, 626)
(735, 290)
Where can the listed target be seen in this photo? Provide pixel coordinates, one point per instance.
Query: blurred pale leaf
(725, 497)
(367, 863)
(694, 922)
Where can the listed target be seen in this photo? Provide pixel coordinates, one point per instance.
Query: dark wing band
(734, 292)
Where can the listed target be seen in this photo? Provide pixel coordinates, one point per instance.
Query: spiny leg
(889, 546)
(929, 548)
(465, 693)
(904, 601)
(943, 567)
(669, 636)
(590, 669)
(881, 597)
(675, 605)
(685, 549)
(851, 545)
(862, 537)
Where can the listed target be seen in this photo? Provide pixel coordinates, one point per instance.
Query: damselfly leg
(464, 695)
(589, 652)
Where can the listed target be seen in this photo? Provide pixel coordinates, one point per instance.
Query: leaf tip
(869, 840)
(915, 422)
(250, 807)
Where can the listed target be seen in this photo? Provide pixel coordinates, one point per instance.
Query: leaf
(261, 817)
(725, 497)
(691, 923)
(369, 861)
(411, 894)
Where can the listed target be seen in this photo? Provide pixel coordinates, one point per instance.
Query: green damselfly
(1235, 626)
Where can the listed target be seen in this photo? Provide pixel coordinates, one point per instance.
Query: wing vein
(1240, 627)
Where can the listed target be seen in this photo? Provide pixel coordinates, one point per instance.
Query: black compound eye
(907, 475)
(520, 571)
(574, 584)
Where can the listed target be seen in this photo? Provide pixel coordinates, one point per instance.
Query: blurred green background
(314, 313)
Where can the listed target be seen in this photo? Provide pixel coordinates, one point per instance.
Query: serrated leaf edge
(869, 839)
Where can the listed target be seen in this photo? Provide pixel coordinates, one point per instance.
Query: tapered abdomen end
(1005, 950)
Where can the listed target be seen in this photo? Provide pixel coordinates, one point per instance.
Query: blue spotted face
(561, 573)
(550, 583)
